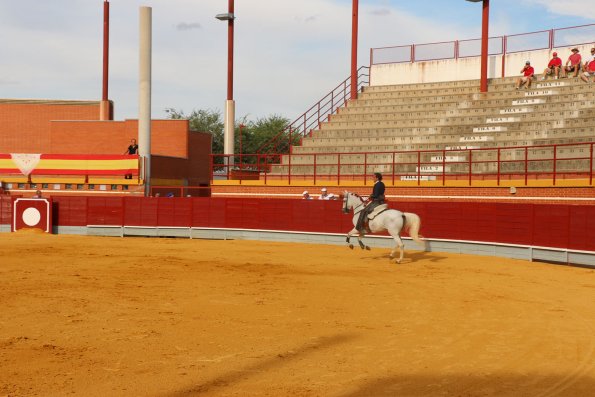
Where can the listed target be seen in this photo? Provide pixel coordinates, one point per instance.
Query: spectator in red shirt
(573, 64)
(553, 67)
(589, 67)
(528, 73)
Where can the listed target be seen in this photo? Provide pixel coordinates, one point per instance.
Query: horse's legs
(361, 243)
(352, 233)
(349, 234)
(399, 245)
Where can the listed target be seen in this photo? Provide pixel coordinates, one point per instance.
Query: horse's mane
(356, 195)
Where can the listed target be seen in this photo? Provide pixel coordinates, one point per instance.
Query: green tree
(203, 121)
(249, 136)
(257, 133)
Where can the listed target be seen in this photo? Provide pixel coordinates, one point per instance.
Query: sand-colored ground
(99, 316)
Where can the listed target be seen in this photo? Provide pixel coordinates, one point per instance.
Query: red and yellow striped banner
(68, 164)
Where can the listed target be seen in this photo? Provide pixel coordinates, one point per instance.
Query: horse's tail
(413, 224)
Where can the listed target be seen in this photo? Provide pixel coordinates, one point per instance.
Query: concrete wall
(465, 68)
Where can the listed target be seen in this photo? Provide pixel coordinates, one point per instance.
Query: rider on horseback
(377, 198)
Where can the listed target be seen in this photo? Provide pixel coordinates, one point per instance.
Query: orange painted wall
(168, 137)
(73, 127)
(24, 124)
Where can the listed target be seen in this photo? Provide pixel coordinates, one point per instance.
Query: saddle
(376, 211)
(365, 223)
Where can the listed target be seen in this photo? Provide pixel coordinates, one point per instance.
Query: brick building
(180, 157)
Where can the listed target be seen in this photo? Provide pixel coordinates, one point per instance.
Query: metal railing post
(470, 164)
(338, 169)
(394, 155)
(289, 170)
(304, 128)
(365, 168)
(315, 154)
(266, 168)
(554, 168)
(498, 165)
(443, 167)
(591, 165)
(418, 167)
(526, 165)
(318, 113)
(551, 37)
(504, 49)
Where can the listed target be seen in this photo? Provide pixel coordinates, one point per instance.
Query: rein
(355, 207)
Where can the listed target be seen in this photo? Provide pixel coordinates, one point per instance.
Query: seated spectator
(553, 67)
(573, 64)
(589, 68)
(306, 195)
(323, 194)
(37, 194)
(527, 78)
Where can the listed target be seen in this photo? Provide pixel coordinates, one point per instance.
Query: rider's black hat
(378, 175)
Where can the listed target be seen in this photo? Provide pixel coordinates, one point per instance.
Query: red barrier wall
(546, 225)
(5, 209)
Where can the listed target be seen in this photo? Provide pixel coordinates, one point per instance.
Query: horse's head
(350, 201)
(345, 197)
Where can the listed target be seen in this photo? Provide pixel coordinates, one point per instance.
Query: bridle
(355, 207)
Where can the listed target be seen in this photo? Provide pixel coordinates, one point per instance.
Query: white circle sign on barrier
(31, 216)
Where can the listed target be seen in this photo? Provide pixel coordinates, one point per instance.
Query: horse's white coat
(389, 220)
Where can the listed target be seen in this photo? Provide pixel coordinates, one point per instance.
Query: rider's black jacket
(378, 191)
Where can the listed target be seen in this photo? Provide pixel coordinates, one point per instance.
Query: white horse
(391, 220)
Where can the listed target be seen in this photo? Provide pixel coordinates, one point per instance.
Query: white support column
(144, 112)
(228, 137)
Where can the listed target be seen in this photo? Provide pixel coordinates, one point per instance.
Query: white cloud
(188, 26)
(576, 8)
(287, 54)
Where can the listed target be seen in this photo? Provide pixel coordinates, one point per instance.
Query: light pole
(483, 85)
(354, 25)
(228, 136)
(104, 109)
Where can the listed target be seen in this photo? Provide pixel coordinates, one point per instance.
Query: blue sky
(288, 54)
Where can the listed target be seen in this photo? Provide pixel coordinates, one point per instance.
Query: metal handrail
(311, 118)
(261, 165)
(551, 43)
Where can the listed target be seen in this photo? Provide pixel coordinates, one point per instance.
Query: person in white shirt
(306, 195)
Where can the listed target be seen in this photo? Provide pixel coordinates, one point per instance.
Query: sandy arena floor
(100, 316)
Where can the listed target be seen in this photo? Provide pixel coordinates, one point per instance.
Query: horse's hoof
(398, 261)
(350, 246)
(368, 248)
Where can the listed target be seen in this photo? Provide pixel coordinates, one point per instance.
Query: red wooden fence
(544, 225)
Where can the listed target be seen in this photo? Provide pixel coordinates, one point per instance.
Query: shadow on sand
(495, 384)
(209, 387)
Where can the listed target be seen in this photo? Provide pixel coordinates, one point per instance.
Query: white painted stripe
(515, 110)
(271, 195)
(540, 92)
(476, 138)
(490, 129)
(534, 101)
(503, 120)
